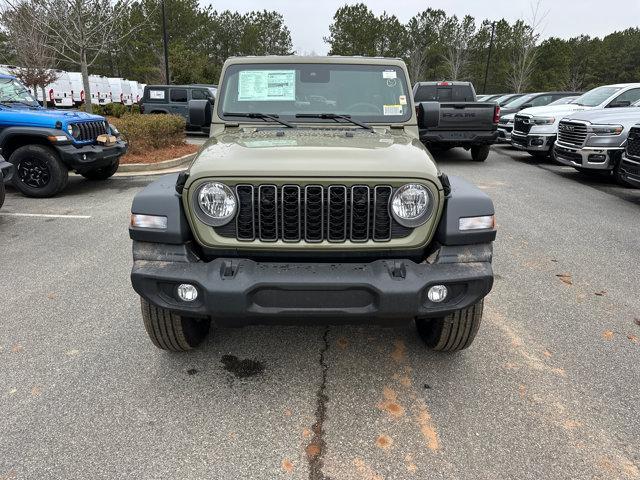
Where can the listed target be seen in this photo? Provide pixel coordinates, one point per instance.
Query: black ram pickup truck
(450, 116)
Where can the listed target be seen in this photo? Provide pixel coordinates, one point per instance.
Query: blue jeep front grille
(89, 131)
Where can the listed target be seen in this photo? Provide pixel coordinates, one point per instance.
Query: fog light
(536, 142)
(437, 293)
(187, 292)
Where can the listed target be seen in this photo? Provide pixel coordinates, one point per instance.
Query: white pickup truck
(535, 129)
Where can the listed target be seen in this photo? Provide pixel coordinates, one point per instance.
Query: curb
(156, 167)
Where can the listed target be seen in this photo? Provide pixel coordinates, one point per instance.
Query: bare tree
(30, 49)
(457, 35)
(526, 33)
(78, 31)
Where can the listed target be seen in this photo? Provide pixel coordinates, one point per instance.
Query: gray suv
(175, 99)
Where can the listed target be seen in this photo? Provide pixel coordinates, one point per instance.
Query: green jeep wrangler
(313, 201)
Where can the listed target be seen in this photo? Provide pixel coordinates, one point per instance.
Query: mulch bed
(159, 155)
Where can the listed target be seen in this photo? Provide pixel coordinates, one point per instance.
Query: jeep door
(179, 102)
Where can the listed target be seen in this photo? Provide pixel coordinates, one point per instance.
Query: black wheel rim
(34, 172)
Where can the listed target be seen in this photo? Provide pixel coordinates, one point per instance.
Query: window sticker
(392, 109)
(267, 85)
(389, 74)
(156, 94)
(403, 100)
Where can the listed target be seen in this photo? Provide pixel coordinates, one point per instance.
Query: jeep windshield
(303, 93)
(12, 91)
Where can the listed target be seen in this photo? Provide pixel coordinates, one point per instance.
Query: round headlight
(217, 202)
(411, 205)
(73, 130)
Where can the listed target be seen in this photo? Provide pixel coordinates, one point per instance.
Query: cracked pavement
(549, 389)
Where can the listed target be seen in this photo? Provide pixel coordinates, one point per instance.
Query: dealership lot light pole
(165, 38)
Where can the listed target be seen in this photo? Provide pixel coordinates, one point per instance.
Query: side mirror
(200, 113)
(428, 114)
(620, 103)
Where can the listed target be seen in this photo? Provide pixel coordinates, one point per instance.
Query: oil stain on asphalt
(242, 368)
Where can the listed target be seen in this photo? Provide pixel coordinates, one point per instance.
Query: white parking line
(41, 215)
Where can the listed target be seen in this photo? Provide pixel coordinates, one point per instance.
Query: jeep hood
(313, 152)
(40, 117)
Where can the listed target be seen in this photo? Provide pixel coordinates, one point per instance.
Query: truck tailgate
(466, 116)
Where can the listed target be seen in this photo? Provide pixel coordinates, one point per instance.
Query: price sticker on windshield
(267, 85)
(392, 109)
(389, 74)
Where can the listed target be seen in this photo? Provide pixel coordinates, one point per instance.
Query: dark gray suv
(175, 99)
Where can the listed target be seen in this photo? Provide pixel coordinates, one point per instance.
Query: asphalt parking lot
(549, 390)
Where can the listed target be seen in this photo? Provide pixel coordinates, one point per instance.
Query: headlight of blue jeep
(411, 205)
(217, 204)
(73, 130)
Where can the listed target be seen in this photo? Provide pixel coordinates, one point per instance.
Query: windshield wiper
(263, 116)
(336, 117)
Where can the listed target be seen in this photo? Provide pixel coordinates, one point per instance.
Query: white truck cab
(535, 129)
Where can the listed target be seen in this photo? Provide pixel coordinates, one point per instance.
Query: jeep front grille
(522, 124)
(572, 133)
(633, 143)
(90, 130)
(313, 213)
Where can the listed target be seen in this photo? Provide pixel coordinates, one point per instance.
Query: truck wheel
(170, 331)
(454, 332)
(618, 176)
(102, 173)
(38, 171)
(479, 153)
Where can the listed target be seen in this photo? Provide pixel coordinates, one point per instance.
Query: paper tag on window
(403, 100)
(392, 109)
(389, 74)
(267, 85)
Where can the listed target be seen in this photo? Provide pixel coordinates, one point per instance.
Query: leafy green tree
(353, 31)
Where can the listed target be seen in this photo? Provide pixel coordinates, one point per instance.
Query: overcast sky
(309, 19)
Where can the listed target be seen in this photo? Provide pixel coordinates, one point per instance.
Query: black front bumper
(90, 157)
(236, 291)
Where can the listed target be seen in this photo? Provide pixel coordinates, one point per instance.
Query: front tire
(102, 173)
(172, 332)
(454, 332)
(479, 153)
(38, 171)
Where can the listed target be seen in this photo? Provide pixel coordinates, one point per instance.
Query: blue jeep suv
(44, 145)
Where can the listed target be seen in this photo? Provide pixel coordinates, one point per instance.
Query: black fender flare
(39, 132)
(160, 198)
(464, 200)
